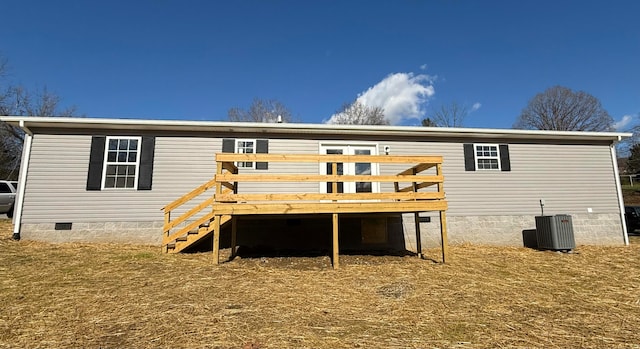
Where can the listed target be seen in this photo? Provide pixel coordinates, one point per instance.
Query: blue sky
(196, 59)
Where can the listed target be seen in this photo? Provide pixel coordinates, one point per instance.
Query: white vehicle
(8, 191)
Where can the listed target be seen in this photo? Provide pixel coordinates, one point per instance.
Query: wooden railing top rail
(320, 158)
(256, 177)
(192, 194)
(297, 197)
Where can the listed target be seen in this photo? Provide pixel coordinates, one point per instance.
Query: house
(106, 180)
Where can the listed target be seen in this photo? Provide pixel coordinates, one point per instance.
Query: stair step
(193, 236)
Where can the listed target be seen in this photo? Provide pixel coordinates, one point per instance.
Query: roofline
(35, 122)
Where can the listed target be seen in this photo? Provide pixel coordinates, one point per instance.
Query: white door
(358, 168)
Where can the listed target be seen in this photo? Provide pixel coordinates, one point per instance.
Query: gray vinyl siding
(571, 178)
(56, 181)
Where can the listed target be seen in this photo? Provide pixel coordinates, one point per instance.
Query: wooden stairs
(195, 235)
(195, 224)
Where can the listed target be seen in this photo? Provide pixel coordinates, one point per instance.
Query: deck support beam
(336, 247)
(443, 236)
(443, 221)
(216, 239)
(416, 220)
(234, 232)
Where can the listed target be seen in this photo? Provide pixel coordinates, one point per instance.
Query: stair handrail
(190, 195)
(169, 224)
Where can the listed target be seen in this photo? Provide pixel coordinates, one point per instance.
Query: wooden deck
(417, 188)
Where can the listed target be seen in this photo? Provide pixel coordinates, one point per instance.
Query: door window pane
(340, 170)
(363, 168)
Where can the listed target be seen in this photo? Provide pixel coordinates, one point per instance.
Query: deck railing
(413, 177)
(403, 191)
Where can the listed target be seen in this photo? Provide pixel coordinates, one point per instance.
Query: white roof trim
(33, 122)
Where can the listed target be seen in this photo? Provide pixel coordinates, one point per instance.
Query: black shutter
(228, 145)
(469, 158)
(505, 163)
(147, 152)
(96, 161)
(262, 147)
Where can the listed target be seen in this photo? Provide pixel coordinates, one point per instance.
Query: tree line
(558, 108)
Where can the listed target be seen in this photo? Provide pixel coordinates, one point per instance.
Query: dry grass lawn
(113, 296)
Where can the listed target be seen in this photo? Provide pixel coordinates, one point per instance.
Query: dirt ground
(115, 296)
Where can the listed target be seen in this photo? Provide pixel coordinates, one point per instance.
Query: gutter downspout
(22, 181)
(614, 161)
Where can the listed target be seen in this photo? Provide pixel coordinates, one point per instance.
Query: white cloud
(401, 95)
(423, 67)
(475, 106)
(623, 123)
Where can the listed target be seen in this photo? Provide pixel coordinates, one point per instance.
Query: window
(121, 163)
(245, 146)
(493, 157)
(487, 157)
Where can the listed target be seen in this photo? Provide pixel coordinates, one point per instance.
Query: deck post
(165, 232)
(234, 231)
(216, 239)
(167, 218)
(334, 171)
(416, 220)
(443, 221)
(218, 172)
(443, 236)
(335, 259)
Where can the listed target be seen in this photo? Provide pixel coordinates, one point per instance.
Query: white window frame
(476, 157)
(107, 163)
(236, 148)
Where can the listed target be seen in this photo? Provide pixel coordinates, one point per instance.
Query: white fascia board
(291, 128)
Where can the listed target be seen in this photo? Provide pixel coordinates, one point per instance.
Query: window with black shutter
(121, 162)
(247, 146)
(481, 157)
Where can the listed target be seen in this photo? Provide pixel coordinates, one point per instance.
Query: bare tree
(449, 115)
(16, 100)
(357, 113)
(633, 161)
(561, 109)
(261, 111)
